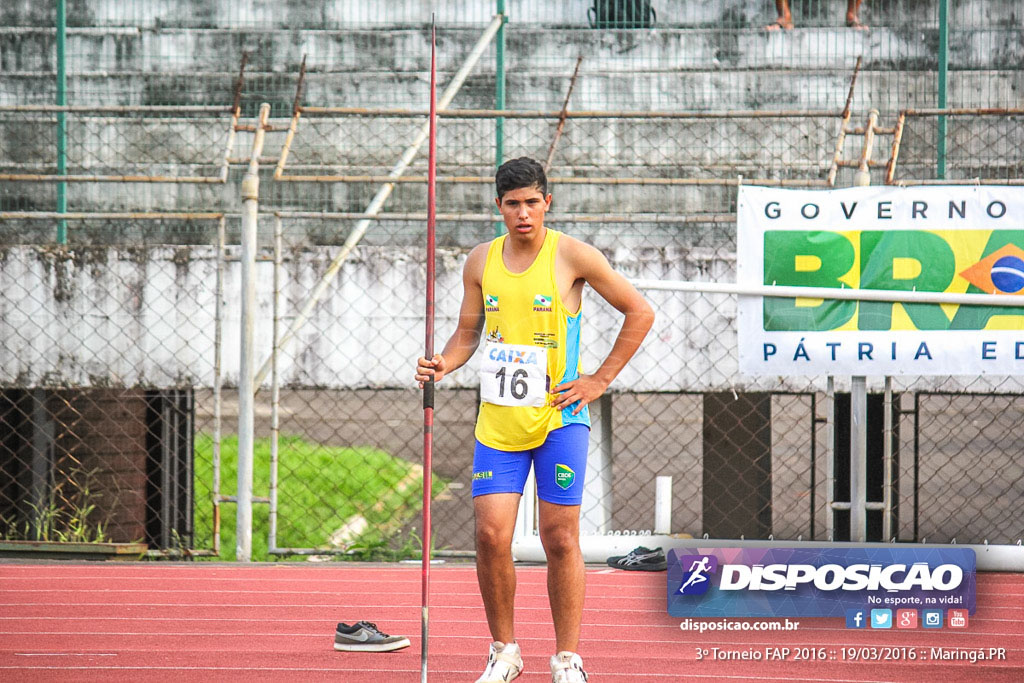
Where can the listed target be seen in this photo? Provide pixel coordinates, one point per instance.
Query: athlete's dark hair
(521, 172)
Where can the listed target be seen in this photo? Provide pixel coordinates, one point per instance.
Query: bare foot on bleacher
(855, 23)
(780, 24)
(853, 15)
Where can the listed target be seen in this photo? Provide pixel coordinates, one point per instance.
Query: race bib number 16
(514, 375)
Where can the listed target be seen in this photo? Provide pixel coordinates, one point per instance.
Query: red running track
(217, 622)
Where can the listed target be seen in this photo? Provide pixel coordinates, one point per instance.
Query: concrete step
(372, 145)
(549, 51)
(394, 13)
(889, 91)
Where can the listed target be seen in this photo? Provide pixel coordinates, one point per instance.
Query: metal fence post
(275, 387)
(887, 477)
(218, 329)
(499, 98)
(830, 465)
(246, 395)
(858, 386)
(62, 131)
(663, 504)
(940, 136)
(858, 458)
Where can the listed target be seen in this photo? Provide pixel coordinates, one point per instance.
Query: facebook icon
(856, 618)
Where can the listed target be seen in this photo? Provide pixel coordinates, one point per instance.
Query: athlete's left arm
(589, 264)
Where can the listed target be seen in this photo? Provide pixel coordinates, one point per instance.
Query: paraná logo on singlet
(491, 304)
(564, 476)
(541, 303)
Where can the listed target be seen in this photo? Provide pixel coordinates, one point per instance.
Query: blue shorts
(560, 464)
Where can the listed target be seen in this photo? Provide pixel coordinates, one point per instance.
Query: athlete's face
(523, 210)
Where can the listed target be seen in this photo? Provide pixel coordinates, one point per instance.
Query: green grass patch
(319, 489)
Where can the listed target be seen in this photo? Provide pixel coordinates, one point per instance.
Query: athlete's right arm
(466, 338)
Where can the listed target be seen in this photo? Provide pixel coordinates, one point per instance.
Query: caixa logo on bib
(816, 582)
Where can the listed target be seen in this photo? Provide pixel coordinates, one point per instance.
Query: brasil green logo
(564, 476)
(952, 261)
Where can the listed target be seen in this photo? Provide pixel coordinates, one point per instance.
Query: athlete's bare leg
(560, 535)
(853, 15)
(785, 20)
(495, 523)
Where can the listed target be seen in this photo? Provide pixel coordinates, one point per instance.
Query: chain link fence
(116, 341)
(105, 340)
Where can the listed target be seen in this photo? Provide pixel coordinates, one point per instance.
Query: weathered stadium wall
(188, 53)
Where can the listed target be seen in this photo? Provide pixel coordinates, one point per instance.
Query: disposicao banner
(818, 582)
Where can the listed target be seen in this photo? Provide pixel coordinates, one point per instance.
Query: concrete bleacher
(714, 57)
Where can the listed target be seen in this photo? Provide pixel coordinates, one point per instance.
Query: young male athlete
(525, 289)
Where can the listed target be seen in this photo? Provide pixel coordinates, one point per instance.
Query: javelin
(428, 386)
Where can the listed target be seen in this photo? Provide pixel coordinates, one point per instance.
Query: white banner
(953, 240)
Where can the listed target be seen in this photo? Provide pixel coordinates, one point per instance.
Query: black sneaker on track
(640, 559)
(366, 637)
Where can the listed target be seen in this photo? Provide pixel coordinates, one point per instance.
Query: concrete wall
(134, 317)
(137, 317)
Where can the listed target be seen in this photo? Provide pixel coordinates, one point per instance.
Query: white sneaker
(567, 667)
(504, 663)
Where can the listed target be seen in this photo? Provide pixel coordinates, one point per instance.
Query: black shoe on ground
(366, 637)
(640, 559)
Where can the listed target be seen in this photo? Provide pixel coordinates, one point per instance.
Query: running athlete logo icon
(696, 571)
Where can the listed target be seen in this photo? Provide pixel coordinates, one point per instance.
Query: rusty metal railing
(971, 151)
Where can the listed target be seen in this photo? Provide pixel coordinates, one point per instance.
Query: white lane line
(630, 675)
(65, 654)
(321, 634)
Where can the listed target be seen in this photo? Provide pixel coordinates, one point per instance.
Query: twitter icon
(881, 618)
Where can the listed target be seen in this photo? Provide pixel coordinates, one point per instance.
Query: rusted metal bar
(847, 109)
(863, 176)
(965, 111)
(86, 215)
(841, 137)
(550, 218)
(73, 30)
(104, 109)
(546, 114)
(236, 113)
(45, 178)
(239, 82)
(872, 163)
(225, 165)
(294, 125)
(245, 160)
(903, 182)
(562, 116)
(890, 169)
(877, 130)
(250, 128)
(567, 180)
(297, 102)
